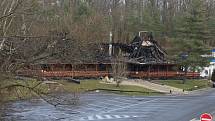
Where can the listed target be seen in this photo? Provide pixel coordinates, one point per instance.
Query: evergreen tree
(149, 20)
(211, 29)
(194, 22)
(152, 19)
(191, 37)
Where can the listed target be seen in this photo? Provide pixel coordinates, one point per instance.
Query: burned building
(142, 50)
(144, 58)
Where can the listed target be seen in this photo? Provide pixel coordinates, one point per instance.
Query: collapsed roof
(143, 50)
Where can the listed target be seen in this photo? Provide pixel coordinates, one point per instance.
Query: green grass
(189, 85)
(19, 92)
(90, 85)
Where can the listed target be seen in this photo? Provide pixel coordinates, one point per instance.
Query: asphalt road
(112, 107)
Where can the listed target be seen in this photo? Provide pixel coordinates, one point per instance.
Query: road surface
(111, 107)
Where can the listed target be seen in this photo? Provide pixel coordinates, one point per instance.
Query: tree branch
(13, 11)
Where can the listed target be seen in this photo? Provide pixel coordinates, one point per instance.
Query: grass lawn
(16, 93)
(189, 84)
(96, 85)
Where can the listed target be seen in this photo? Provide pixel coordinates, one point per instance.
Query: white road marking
(171, 101)
(90, 118)
(118, 101)
(95, 105)
(108, 117)
(108, 104)
(99, 117)
(81, 119)
(104, 117)
(148, 107)
(124, 100)
(80, 111)
(105, 107)
(195, 119)
(136, 112)
(89, 108)
(130, 106)
(179, 99)
(117, 116)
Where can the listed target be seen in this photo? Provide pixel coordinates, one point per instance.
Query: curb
(116, 90)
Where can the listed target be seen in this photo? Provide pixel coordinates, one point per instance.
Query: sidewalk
(201, 91)
(160, 88)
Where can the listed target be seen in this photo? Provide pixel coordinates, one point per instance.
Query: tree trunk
(117, 84)
(185, 75)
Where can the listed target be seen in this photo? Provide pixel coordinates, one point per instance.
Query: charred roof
(143, 50)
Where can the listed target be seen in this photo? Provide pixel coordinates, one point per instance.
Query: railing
(164, 74)
(139, 74)
(29, 72)
(75, 73)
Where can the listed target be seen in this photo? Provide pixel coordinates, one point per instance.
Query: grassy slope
(189, 84)
(23, 93)
(94, 84)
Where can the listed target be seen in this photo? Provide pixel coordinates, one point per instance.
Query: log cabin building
(144, 58)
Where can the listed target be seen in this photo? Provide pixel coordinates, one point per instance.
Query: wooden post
(138, 72)
(51, 67)
(167, 71)
(149, 69)
(96, 68)
(72, 71)
(158, 71)
(193, 73)
(85, 66)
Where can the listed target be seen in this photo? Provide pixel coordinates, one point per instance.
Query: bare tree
(25, 41)
(119, 69)
(9, 8)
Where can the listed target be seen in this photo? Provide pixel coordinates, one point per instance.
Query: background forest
(34, 30)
